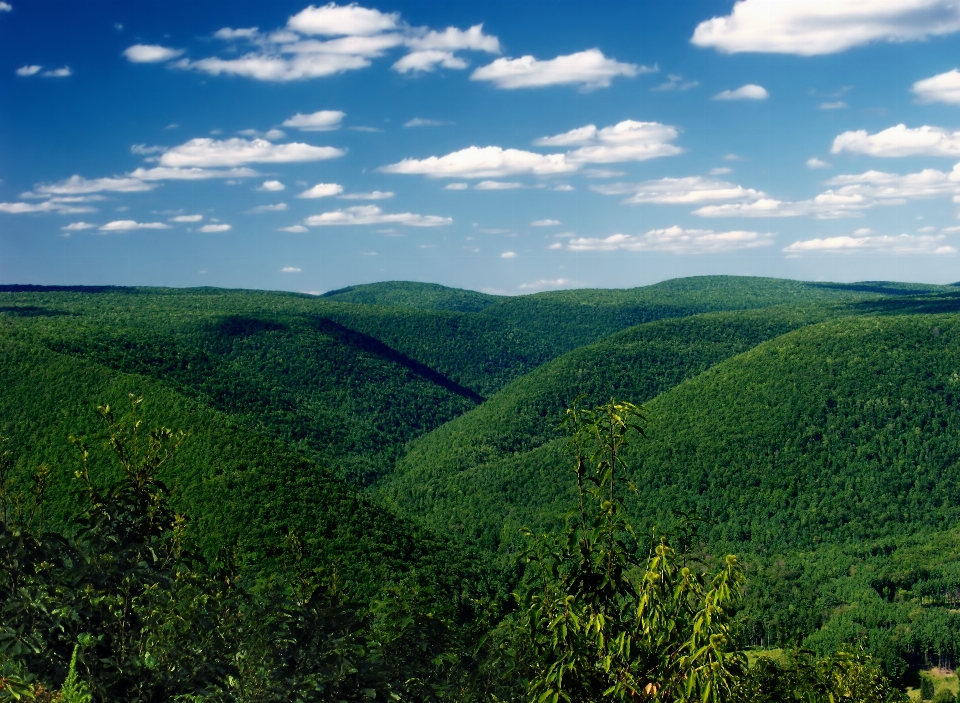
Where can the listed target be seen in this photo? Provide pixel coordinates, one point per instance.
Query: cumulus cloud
(545, 223)
(331, 39)
(229, 34)
(814, 27)
(215, 228)
(814, 162)
(322, 121)
(625, 141)
(676, 82)
(205, 152)
(78, 185)
(290, 269)
(879, 185)
(58, 72)
(942, 88)
(675, 240)
(126, 225)
(679, 191)
(373, 195)
(900, 141)
(77, 226)
(508, 255)
(866, 242)
(424, 122)
(498, 185)
(351, 20)
(29, 70)
(279, 207)
(271, 186)
(484, 162)
(5, 7)
(186, 218)
(588, 69)
(150, 53)
(46, 206)
(322, 190)
(456, 186)
(166, 173)
(293, 228)
(372, 215)
(835, 105)
(745, 92)
(827, 205)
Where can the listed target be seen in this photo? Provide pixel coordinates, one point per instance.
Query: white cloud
(900, 141)
(28, 70)
(498, 185)
(484, 162)
(545, 283)
(322, 121)
(676, 82)
(942, 88)
(5, 7)
(372, 215)
(150, 53)
(77, 226)
(78, 185)
(814, 27)
(206, 152)
(322, 190)
(229, 34)
(271, 135)
(837, 105)
(46, 206)
(675, 240)
(144, 150)
(214, 228)
(272, 186)
(891, 186)
(508, 255)
(545, 223)
(814, 162)
(456, 186)
(186, 218)
(679, 191)
(126, 225)
(424, 122)
(744, 92)
(374, 195)
(564, 187)
(293, 228)
(279, 207)
(58, 72)
(290, 269)
(878, 244)
(277, 68)
(827, 205)
(164, 173)
(453, 39)
(351, 20)
(428, 60)
(589, 69)
(722, 171)
(625, 141)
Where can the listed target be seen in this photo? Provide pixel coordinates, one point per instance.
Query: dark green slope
(239, 487)
(636, 364)
(424, 296)
(842, 431)
(573, 318)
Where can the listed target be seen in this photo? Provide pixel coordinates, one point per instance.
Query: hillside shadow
(926, 305)
(239, 326)
(35, 311)
(879, 287)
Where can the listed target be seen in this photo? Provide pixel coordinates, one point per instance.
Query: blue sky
(499, 146)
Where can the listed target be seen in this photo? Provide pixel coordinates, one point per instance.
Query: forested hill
(411, 429)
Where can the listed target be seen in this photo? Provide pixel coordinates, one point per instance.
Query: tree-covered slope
(240, 488)
(424, 296)
(841, 431)
(573, 318)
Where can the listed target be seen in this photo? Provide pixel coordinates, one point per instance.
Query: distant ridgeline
(409, 428)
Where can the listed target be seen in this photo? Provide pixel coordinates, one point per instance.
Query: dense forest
(393, 492)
